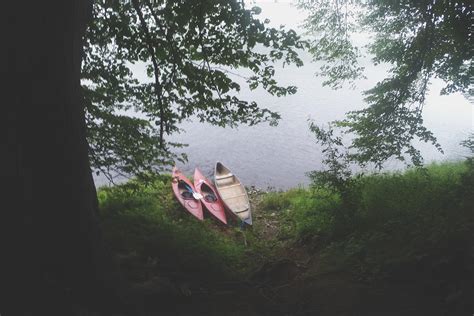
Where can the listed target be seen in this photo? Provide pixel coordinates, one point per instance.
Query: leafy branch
(189, 49)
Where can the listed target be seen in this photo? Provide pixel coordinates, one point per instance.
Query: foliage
(401, 223)
(189, 49)
(337, 177)
(335, 157)
(333, 23)
(412, 224)
(421, 40)
(469, 143)
(144, 221)
(305, 212)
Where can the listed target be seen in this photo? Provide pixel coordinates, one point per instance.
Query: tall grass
(393, 224)
(421, 219)
(306, 212)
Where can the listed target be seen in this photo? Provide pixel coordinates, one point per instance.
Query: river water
(279, 157)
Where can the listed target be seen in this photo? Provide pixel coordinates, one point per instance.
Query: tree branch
(156, 70)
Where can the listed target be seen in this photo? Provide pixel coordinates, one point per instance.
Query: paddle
(196, 195)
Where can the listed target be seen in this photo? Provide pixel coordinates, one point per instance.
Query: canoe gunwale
(178, 175)
(219, 212)
(235, 211)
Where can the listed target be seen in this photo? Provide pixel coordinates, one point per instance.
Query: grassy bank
(144, 222)
(414, 227)
(388, 220)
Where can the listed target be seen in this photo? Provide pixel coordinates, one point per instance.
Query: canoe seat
(230, 175)
(235, 196)
(230, 186)
(241, 211)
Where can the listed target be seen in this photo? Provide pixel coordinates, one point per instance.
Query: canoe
(181, 186)
(232, 193)
(210, 198)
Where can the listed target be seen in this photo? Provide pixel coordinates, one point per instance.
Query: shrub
(403, 222)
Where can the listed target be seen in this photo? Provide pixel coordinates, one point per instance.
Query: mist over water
(280, 157)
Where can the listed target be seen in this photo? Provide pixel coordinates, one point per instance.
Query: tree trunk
(51, 253)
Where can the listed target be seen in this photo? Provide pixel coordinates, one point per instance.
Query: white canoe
(232, 193)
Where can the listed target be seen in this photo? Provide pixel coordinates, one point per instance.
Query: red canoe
(210, 197)
(184, 196)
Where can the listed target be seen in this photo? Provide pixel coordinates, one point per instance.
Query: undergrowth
(395, 225)
(415, 226)
(144, 224)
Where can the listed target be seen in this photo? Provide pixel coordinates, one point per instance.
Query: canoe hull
(205, 187)
(192, 205)
(233, 193)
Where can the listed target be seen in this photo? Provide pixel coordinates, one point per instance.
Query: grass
(413, 227)
(305, 213)
(144, 224)
(393, 224)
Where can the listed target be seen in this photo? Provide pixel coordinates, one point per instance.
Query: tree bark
(51, 252)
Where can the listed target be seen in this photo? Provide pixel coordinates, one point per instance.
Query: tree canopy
(189, 49)
(420, 40)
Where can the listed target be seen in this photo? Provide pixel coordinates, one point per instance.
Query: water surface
(280, 156)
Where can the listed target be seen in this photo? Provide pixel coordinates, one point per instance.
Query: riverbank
(400, 244)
